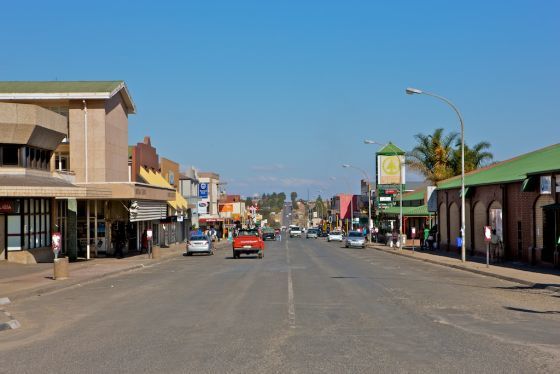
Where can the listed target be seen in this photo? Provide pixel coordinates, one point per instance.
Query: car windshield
(198, 237)
(248, 233)
(296, 229)
(355, 234)
(312, 231)
(335, 233)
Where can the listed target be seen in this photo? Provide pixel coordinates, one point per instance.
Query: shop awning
(156, 179)
(145, 210)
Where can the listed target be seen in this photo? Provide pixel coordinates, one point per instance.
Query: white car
(199, 244)
(355, 239)
(295, 231)
(334, 236)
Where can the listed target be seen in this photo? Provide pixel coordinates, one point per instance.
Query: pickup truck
(248, 242)
(295, 231)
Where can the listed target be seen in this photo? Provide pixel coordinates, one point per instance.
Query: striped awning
(145, 210)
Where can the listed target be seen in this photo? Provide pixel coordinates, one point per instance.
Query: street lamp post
(367, 141)
(415, 91)
(368, 188)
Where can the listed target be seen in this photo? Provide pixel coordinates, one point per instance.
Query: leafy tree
(433, 156)
(438, 156)
(293, 196)
(476, 157)
(320, 207)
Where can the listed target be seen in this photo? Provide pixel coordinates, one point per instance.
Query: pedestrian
(426, 236)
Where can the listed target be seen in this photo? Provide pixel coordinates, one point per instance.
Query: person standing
(426, 235)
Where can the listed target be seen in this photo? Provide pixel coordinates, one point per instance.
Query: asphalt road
(307, 307)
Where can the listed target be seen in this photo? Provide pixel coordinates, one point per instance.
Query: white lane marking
(291, 306)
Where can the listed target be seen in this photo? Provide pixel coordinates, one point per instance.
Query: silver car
(355, 239)
(334, 236)
(199, 244)
(312, 233)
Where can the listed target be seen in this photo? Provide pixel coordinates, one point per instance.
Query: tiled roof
(513, 170)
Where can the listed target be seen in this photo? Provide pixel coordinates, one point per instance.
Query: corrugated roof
(416, 195)
(409, 211)
(512, 170)
(390, 149)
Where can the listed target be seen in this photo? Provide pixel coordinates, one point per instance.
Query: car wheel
(260, 255)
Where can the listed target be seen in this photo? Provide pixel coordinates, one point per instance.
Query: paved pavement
(533, 277)
(18, 281)
(307, 307)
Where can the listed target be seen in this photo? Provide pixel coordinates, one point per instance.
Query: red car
(248, 242)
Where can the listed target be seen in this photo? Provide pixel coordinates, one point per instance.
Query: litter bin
(156, 253)
(61, 268)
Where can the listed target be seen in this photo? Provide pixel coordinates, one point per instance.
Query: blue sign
(203, 190)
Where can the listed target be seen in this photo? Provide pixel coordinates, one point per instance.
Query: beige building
(65, 168)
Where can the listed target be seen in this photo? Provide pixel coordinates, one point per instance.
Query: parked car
(268, 233)
(248, 242)
(355, 239)
(312, 233)
(334, 236)
(295, 231)
(199, 244)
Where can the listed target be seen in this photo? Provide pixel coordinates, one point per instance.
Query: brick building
(519, 198)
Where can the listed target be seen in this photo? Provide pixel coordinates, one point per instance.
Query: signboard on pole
(487, 234)
(203, 190)
(56, 243)
(390, 169)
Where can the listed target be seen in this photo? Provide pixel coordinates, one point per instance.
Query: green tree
(320, 207)
(433, 156)
(293, 196)
(476, 157)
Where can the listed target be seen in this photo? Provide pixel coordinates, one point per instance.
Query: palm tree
(433, 157)
(476, 157)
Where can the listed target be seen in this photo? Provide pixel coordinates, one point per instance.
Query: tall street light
(416, 91)
(367, 141)
(368, 188)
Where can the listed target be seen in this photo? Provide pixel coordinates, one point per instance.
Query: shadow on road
(532, 311)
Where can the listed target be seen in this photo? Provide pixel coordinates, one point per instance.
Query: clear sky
(276, 95)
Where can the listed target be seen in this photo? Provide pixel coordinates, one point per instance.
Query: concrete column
(71, 229)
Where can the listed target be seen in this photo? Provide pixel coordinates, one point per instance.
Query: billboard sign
(203, 207)
(389, 169)
(203, 190)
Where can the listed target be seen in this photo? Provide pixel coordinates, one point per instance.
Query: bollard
(156, 253)
(61, 268)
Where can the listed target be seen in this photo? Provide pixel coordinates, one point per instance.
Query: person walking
(426, 236)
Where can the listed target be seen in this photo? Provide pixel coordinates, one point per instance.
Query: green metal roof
(512, 170)
(390, 149)
(416, 195)
(17, 87)
(409, 211)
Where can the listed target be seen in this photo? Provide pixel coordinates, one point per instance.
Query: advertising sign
(149, 234)
(56, 243)
(487, 234)
(203, 190)
(203, 207)
(389, 170)
(224, 208)
(431, 198)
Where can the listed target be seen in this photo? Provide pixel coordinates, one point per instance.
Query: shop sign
(149, 234)
(179, 218)
(203, 190)
(390, 170)
(487, 234)
(384, 198)
(7, 206)
(202, 207)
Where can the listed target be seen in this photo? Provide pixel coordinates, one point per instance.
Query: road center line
(291, 306)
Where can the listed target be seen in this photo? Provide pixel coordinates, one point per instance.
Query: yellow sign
(389, 170)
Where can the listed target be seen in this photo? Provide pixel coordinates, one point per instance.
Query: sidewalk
(530, 276)
(19, 281)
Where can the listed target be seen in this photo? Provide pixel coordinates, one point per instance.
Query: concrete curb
(476, 271)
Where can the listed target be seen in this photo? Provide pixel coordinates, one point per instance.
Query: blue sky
(276, 95)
